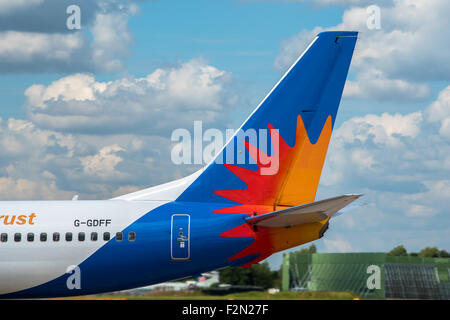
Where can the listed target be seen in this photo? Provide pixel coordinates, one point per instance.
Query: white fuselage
(25, 264)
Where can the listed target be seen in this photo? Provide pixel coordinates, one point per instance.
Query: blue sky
(76, 104)
(231, 35)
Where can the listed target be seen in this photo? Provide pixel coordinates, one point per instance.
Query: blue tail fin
(302, 108)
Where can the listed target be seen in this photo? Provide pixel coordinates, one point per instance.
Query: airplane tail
(274, 161)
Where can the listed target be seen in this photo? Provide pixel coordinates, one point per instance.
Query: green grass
(252, 295)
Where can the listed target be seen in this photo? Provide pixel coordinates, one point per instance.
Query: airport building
(369, 275)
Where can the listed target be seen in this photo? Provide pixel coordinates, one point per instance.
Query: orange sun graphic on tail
(293, 183)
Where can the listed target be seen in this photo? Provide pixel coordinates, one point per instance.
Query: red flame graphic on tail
(295, 182)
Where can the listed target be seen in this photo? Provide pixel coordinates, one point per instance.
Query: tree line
(427, 252)
(260, 274)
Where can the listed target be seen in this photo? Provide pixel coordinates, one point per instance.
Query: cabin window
(81, 236)
(68, 236)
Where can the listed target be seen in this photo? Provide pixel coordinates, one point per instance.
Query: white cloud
(101, 139)
(382, 130)
(112, 40)
(31, 42)
(46, 164)
(363, 158)
(292, 47)
(439, 112)
(124, 190)
(103, 163)
(79, 103)
(337, 245)
(26, 47)
(19, 137)
(8, 6)
(440, 109)
(408, 45)
(19, 189)
(373, 84)
(445, 128)
(430, 202)
(400, 162)
(79, 87)
(390, 62)
(417, 210)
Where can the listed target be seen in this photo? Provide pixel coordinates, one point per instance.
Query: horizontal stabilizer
(307, 213)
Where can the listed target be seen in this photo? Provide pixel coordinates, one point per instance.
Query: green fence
(370, 275)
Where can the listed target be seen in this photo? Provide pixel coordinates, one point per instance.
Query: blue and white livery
(223, 215)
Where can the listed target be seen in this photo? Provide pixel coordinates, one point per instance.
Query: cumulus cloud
(439, 112)
(19, 189)
(8, 6)
(337, 245)
(77, 87)
(27, 51)
(399, 161)
(31, 160)
(103, 164)
(408, 44)
(79, 103)
(292, 47)
(31, 42)
(43, 164)
(418, 210)
(385, 129)
(111, 40)
(45, 16)
(373, 84)
(101, 139)
(393, 61)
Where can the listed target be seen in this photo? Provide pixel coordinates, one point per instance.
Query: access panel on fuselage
(180, 237)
